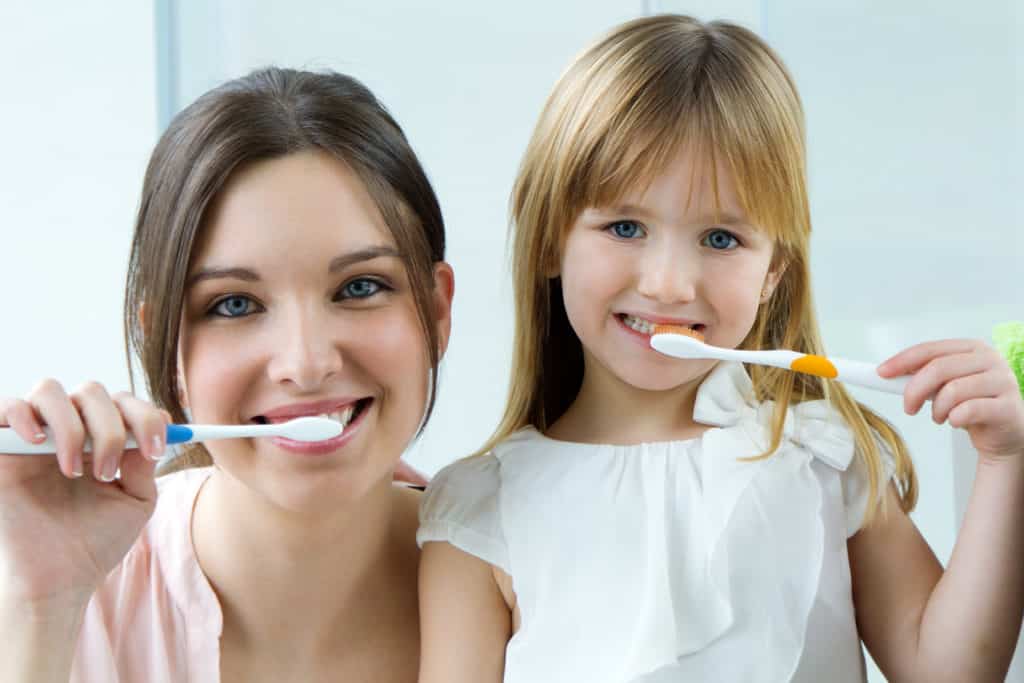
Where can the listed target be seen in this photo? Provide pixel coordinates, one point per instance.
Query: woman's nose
(668, 275)
(305, 353)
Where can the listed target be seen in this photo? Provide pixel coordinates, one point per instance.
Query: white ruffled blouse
(671, 561)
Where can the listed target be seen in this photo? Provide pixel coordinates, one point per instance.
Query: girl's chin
(660, 380)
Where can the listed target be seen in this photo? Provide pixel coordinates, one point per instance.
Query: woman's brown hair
(265, 115)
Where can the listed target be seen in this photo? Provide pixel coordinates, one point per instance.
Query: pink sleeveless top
(155, 618)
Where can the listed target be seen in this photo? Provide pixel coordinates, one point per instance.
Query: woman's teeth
(343, 416)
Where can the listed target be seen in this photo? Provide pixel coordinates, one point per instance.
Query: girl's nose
(668, 276)
(305, 354)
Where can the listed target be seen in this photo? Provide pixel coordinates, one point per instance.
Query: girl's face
(297, 303)
(661, 256)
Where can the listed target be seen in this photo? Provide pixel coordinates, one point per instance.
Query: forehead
(290, 210)
(686, 184)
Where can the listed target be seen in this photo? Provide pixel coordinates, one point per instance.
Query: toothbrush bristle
(678, 329)
(313, 429)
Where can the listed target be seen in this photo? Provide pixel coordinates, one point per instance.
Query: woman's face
(297, 303)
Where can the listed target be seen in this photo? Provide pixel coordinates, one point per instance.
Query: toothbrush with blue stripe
(299, 429)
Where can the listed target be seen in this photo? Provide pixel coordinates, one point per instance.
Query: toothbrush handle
(12, 444)
(866, 375)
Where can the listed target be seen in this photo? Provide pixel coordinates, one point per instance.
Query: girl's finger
(54, 408)
(19, 416)
(928, 381)
(962, 390)
(911, 360)
(146, 422)
(105, 427)
(405, 472)
(979, 411)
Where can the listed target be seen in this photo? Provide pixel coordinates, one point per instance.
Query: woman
(287, 261)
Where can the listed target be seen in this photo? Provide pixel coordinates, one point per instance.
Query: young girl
(641, 518)
(287, 261)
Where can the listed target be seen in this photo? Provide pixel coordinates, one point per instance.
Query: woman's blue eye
(361, 288)
(626, 230)
(721, 240)
(234, 307)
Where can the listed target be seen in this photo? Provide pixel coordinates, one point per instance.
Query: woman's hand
(67, 520)
(971, 386)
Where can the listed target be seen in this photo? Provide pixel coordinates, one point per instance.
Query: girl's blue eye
(361, 288)
(721, 240)
(626, 230)
(235, 306)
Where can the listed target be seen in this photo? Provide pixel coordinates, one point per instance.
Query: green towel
(1009, 339)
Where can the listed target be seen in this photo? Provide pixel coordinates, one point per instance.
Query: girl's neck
(609, 411)
(306, 582)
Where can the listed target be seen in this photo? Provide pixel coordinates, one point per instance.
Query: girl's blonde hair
(615, 119)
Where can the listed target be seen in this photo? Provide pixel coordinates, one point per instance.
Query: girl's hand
(67, 520)
(406, 473)
(971, 386)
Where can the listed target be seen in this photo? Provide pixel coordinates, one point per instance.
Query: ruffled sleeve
(856, 487)
(461, 507)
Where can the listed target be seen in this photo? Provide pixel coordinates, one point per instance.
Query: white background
(914, 118)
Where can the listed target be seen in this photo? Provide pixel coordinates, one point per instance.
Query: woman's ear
(179, 373)
(444, 291)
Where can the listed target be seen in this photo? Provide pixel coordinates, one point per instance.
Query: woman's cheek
(213, 374)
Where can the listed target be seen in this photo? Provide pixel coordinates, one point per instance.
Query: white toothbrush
(299, 429)
(675, 341)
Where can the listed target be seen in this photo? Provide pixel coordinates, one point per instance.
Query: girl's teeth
(638, 324)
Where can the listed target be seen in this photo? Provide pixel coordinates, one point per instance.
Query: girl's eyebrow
(721, 218)
(337, 263)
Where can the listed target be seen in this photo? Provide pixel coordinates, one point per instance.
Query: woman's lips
(316, 448)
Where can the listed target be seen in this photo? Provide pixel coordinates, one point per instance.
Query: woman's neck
(306, 583)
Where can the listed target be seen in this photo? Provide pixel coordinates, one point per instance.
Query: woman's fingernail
(158, 448)
(109, 471)
(41, 436)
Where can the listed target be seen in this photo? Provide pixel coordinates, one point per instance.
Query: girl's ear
(552, 266)
(444, 291)
(772, 279)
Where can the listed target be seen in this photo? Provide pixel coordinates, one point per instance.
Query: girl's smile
(681, 252)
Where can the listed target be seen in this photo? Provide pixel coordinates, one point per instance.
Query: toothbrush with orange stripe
(682, 342)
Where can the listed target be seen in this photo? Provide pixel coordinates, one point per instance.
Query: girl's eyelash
(735, 238)
(611, 228)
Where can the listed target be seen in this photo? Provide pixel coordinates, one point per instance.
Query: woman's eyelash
(227, 306)
(362, 288)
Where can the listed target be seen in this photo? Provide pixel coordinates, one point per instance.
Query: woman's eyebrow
(215, 273)
(370, 253)
(338, 263)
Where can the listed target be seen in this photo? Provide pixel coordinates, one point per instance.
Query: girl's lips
(319, 448)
